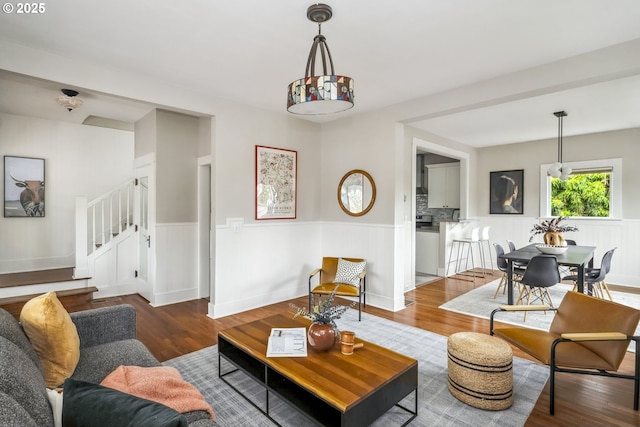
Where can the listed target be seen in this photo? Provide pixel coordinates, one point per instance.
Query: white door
(143, 234)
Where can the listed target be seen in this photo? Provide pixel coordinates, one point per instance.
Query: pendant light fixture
(320, 94)
(558, 170)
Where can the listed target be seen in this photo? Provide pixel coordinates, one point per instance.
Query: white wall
(146, 134)
(266, 260)
(176, 167)
(79, 160)
(263, 263)
(237, 131)
(176, 275)
(367, 143)
(373, 143)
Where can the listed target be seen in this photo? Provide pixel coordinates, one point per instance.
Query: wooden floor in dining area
(581, 400)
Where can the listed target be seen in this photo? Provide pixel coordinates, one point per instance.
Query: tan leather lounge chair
(587, 336)
(326, 284)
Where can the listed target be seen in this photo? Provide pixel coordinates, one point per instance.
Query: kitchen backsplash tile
(421, 204)
(438, 214)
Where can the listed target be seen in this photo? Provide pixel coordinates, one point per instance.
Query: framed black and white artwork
(507, 192)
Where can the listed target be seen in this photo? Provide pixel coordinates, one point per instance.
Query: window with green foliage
(585, 193)
(593, 190)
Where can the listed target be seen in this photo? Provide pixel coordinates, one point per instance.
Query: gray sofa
(107, 340)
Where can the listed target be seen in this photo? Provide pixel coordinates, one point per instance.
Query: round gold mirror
(356, 192)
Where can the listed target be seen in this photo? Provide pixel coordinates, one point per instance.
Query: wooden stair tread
(68, 298)
(36, 277)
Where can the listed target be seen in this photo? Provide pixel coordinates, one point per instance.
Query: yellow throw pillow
(53, 336)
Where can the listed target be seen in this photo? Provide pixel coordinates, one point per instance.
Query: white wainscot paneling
(263, 263)
(112, 267)
(603, 234)
(176, 263)
(381, 246)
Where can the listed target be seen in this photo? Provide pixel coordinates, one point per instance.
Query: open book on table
(287, 342)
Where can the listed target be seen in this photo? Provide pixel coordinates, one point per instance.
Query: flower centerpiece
(552, 229)
(323, 315)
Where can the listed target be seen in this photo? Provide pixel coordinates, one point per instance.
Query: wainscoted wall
(112, 268)
(263, 263)
(379, 245)
(270, 261)
(603, 234)
(176, 278)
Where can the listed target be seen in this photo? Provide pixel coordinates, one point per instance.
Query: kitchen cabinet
(444, 185)
(427, 252)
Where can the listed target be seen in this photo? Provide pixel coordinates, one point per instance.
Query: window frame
(615, 201)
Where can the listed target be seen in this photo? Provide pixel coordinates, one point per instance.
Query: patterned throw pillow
(348, 272)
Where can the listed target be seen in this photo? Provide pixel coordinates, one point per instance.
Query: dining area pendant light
(558, 170)
(325, 93)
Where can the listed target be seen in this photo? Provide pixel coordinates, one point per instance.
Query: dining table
(575, 256)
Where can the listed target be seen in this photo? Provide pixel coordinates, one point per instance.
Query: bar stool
(484, 238)
(462, 245)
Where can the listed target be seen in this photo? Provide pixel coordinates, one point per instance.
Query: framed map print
(276, 183)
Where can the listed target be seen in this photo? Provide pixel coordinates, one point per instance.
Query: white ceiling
(396, 52)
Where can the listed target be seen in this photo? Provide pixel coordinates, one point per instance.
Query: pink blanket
(162, 384)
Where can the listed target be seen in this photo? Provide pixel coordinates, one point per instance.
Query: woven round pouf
(480, 370)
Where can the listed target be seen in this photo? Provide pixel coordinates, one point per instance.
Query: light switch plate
(235, 224)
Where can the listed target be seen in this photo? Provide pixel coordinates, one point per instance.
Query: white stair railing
(109, 215)
(100, 221)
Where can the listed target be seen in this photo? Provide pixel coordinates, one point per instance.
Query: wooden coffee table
(328, 387)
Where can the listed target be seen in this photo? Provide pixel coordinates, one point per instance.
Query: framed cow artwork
(23, 187)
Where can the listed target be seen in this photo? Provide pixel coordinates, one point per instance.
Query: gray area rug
(479, 302)
(436, 405)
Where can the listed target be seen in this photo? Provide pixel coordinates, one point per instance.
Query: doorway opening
(428, 268)
(205, 229)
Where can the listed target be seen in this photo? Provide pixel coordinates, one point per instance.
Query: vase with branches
(323, 315)
(552, 225)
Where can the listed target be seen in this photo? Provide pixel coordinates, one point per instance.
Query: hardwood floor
(581, 400)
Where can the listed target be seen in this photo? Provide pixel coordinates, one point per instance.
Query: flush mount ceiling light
(68, 99)
(326, 93)
(558, 170)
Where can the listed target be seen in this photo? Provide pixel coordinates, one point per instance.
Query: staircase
(105, 256)
(109, 215)
(106, 248)
(18, 288)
